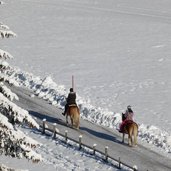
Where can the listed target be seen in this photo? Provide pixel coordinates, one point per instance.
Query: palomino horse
(130, 128)
(74, 113)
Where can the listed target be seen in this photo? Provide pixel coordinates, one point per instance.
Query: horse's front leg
(67, 119)
(123, 137)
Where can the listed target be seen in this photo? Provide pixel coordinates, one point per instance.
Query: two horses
(130, 127)
(74, 114)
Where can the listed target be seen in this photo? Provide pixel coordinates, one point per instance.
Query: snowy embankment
(48, 90)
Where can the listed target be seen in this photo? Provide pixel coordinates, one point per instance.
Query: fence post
(94, 148)
(66, 136)
(119, 163)
(54, 130)
(80, 141)
(135, 168)
(106, 153)
(43, 129)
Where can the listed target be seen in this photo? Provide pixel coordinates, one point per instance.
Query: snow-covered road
(141, 156)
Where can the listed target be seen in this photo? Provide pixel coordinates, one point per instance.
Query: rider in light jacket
(127, 116)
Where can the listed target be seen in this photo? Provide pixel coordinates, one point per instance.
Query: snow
(119, 54)
(49, 90)
(60, 156)
(4, 120)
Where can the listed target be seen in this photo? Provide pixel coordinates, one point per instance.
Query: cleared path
(140, 156)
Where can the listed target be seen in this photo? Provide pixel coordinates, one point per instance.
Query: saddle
(124, 124)
(128, 121)
(72, 107)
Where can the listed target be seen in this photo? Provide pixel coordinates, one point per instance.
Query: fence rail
(55, 131)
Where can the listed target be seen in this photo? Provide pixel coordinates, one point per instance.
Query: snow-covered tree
(5, 32)
(5, 168)
(1, 2)
(13, 142)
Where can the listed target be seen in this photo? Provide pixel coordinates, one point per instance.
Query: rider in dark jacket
(71, 99)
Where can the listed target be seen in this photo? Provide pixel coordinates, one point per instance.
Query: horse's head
(123, 116)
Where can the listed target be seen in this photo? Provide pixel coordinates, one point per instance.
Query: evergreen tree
(13, 142)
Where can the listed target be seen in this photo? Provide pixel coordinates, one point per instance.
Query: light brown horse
(130, 128)
(74, 113)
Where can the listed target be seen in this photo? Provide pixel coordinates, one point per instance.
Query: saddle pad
(72, 105)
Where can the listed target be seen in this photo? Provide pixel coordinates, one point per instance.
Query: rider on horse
(126, 117)
(71, 99)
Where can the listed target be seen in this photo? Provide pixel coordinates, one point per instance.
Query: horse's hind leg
(123, 137)
(67, 119)
(72, 122)
(130, 140)
(135, 140)
(77, 124)
(132, 143)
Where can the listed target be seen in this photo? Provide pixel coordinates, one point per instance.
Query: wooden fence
(55, 131)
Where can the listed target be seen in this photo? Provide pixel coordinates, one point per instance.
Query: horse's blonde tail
(77, 121)
(76, 118)
(132, 134)
(135, 134)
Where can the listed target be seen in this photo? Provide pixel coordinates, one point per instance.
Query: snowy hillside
(117, 50)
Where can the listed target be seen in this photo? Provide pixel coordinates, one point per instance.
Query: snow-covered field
(118, 51)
